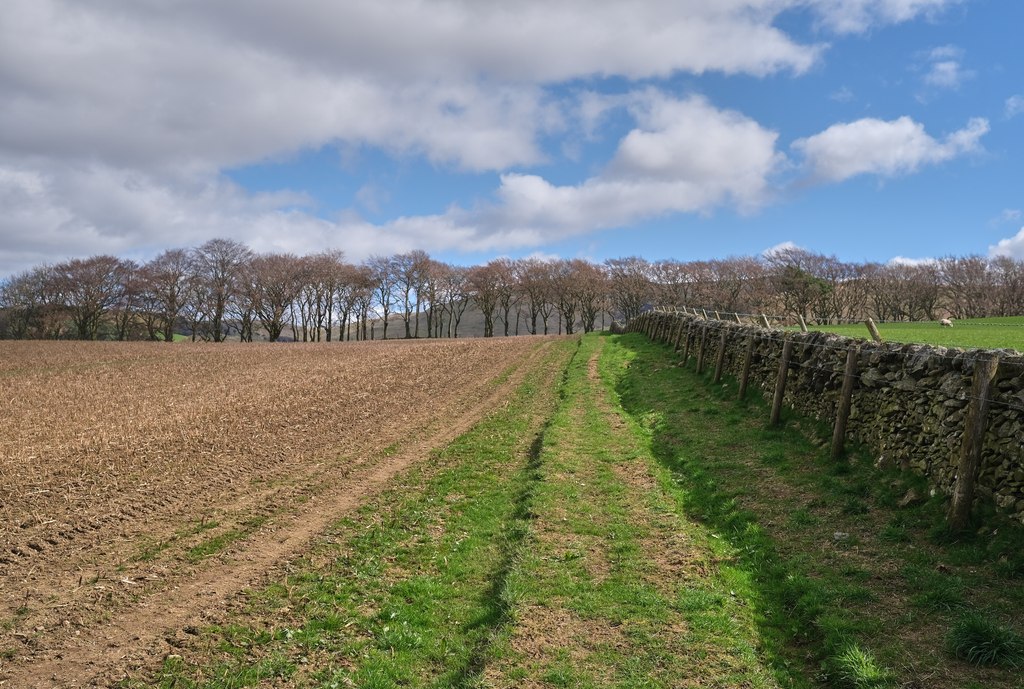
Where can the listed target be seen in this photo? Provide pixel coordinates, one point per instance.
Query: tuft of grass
(980, 641)
(858, 669)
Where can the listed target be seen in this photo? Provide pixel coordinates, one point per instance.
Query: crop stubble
(108, 447)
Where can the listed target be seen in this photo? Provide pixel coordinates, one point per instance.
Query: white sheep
(946, 322)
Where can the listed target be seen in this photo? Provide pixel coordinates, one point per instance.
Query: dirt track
(142, 485)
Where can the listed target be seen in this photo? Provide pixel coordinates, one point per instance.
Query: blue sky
(869, 129)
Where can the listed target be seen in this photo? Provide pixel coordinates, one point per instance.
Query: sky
(872, 130)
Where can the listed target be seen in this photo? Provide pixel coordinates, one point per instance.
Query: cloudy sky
(868, 129)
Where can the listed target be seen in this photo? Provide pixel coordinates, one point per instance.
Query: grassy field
(623, 523)
(981, 333)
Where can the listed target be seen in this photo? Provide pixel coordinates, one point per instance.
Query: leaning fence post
(747, 358)
(974, 439)
(875, 335)
(686, 343)
(845, 401)
(780, 383)
(764, 320)
(720, 361)
(702, 347)
(803, 323)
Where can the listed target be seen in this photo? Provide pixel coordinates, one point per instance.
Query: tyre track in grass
(139, 636)
(616, 587)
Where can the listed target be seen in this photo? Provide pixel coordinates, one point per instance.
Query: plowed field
(142, 484)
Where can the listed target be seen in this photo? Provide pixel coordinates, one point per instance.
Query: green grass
(592, 580)
(980, 333)
(859, 591)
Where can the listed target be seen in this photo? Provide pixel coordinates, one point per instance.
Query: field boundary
(913, 406)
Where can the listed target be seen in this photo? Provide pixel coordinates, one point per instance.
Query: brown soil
(117, 461)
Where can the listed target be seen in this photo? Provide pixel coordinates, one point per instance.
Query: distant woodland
(223, 290)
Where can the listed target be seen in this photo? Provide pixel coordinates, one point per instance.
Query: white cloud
(843, 95)
(905, 261)
(1008, 215)
(943, 68)
(683, 156)
(886, 148)
(118, 120)
(1014, 106)
(1011, 246)
(856, 16)
(947, 74)
(782, 247)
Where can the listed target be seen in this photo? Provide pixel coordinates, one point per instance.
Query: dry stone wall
(909, 401)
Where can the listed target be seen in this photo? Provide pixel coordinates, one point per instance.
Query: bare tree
(1008, 274)
(218, 264)
(534, 280)
(89, 288)
(33, 305)
(969, 285)
(409, 275)
(125, 310)
(506, 288)
(165, 286)
(566, 283)
(484, 282)
(276, 284)
(591, 292)
(383, 270)
(454, 288)
(631, 287)
(734, 284)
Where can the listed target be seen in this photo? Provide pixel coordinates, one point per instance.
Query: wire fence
(909, 362)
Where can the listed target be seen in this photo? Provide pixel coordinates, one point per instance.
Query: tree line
(791, 282)
(224, 290)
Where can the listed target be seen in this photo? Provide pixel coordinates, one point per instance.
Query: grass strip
(615, 589)
(855, 580)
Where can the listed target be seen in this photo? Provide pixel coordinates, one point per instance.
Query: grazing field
(980, 333)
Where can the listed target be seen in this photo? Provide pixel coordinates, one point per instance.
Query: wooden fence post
(686, 343)
(702, 347)
(845, 401)
(747, 358)
(737, 317)
(780, 382)
(974, 439)
(875, 335)
(764, 320)
(680, 326)
(803, 323)
(720, 361)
